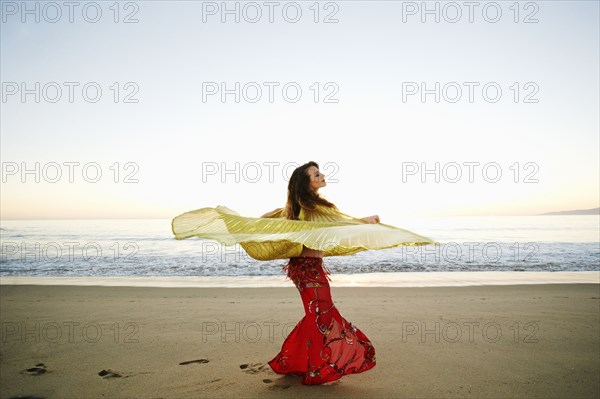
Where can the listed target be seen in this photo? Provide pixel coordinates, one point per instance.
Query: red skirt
(323, 346)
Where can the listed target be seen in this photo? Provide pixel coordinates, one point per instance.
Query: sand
(502, 341)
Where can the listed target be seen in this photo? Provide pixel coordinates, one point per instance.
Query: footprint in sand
(39, 369)
(193, 361)
(109, 374)
(275, 387)
(253, 368)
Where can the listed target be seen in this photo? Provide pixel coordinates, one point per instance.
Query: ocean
(146, 247)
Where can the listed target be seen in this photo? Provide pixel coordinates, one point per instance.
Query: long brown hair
(299, 193)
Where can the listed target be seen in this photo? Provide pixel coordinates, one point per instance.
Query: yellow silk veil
(275, 237)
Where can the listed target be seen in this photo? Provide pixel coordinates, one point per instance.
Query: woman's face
(317, 179)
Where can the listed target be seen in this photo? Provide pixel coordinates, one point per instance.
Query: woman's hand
(371, 219)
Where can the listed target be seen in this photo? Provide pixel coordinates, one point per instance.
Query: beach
(477, 341)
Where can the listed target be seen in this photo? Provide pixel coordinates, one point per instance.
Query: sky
(148, 109)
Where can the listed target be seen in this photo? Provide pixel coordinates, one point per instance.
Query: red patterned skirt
(323, 346)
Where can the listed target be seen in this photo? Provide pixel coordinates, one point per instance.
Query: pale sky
(176, 145)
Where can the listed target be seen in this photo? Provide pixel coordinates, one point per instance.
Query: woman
(323, 346)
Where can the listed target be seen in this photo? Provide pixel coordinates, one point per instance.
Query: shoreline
(397, 279)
